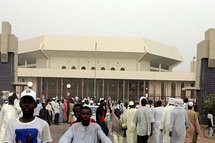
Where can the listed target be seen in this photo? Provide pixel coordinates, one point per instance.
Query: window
(93, 68)
(73, 67)
(112, 68)
(63, 67)
(122, 69)
(102, 68)
(83, 68)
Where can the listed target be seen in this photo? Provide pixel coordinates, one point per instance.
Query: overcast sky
(178, 23)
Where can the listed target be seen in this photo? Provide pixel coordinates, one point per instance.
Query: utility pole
(95, 96)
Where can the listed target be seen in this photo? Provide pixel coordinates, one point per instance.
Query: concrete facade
(9, 58)
(205, 71)
(117, 67)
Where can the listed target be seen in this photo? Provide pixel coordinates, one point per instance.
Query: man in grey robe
(178, 123)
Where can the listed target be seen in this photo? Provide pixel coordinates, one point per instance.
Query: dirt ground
(58, 130)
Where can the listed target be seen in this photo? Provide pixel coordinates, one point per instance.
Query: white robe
(164, 124)
(178, 125)
(78, 133)
(7, 112)
(131, 127)
(158, 111)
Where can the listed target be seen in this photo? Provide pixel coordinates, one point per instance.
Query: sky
(178, 23)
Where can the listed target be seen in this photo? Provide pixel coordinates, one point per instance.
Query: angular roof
(141, 48)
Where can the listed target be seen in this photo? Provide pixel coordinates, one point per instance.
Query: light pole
(30, 84)
(68, 86)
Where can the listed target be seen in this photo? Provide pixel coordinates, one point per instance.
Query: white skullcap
(91, 101)
(29, 92)
(10, 94)
(131, 103)
(179, 102)
(190, 104)
(142, 97)
(100, 99)
(171, 101)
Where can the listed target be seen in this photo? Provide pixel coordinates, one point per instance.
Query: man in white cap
(178, 123)
(194, 126)
(165, 119)
(8, 112)
(131, 127)
(27, 128)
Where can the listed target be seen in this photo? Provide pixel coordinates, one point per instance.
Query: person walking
(210, 123)
(194, 127)
(27, 128)
(62, 108)
(70, 109)
(143, 121)
(101, 115)
(116, 124)
(158, 111)
(50, 109)
(131, 127)
(165, 119)
(84, 131)
(8, 112)
(56, 107)
(178, 123)
(44, 113)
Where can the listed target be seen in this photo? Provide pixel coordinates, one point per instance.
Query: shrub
(209, 102)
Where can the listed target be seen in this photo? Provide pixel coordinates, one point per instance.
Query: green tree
(209, 102)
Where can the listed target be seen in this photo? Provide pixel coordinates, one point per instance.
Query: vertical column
(8, 58)
(123, 91)
(103, 89)
(159, 67)
(82, 88)
(138, 90)
(118, 90)
(47, 87)
(6, 30)
(87, 88)
(128, 91)
(108, 89)
(61, 88)
(41, 87)
(57, 88)
(77, 89)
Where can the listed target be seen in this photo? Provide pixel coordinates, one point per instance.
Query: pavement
(58, 130)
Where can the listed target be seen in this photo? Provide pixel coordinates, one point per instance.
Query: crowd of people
(27, 120)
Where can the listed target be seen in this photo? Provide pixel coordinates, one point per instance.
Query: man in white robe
(131, 127)
(178, 123)
(165, 119)
(84, 131)
(158, 111)
(144, 121)
(8, 111)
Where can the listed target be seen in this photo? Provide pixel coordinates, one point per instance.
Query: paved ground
(58, 130)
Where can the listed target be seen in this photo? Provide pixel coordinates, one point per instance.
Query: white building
(116, 67)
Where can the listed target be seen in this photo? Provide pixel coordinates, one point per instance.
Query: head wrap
(131, 103)
(190, 104)
(179, 102)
